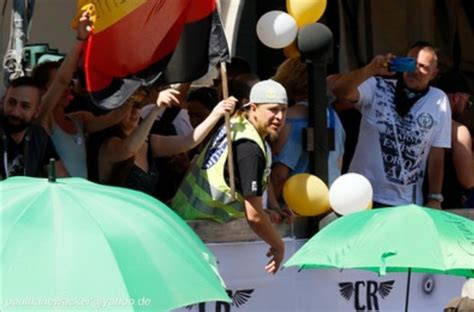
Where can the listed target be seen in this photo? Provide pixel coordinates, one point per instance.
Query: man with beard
(205, 192)
(458, 184)
(26, 148)
(405, 127)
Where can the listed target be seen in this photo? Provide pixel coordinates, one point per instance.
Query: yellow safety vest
(204, 193)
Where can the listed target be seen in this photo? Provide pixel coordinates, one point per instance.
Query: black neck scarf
(405, 97)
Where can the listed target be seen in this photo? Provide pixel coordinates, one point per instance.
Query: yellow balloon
(306, 11)
(291, 51)
(306, 195)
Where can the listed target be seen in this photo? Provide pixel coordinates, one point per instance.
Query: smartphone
(402, 65)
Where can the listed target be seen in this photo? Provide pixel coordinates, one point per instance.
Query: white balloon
(277, 29)
(350, 193)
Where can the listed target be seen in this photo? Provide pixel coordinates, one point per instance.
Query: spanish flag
(134, 40)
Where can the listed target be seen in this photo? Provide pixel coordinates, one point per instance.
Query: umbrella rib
(179, 228)
(440, 247)
(127, 220)
(433, 225)
(189, 252)
(86, 211)
(25, 210)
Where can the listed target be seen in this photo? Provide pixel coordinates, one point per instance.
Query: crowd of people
(171, 142)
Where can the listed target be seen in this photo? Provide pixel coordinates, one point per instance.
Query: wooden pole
(230, 156)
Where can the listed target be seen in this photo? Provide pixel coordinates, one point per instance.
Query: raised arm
(93, 123)
(344, 86)
(121, 149)
(183, 89)
(65, 72)
(162, 145)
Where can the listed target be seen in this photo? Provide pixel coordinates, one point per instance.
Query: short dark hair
(237, 66)
(41, 73)
(241, 85)
(206, 96)
(423, 45)
(24, 81)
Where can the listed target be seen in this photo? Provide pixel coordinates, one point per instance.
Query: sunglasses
(469, 103)
(139, 97)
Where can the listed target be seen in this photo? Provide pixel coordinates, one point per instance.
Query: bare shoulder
(461, 133)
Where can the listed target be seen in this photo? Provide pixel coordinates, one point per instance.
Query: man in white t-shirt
(405, 127)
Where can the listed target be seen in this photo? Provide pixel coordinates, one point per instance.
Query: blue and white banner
(252, 289)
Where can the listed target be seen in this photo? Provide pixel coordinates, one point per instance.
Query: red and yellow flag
(133, 41)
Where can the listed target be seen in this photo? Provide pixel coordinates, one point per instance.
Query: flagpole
(230, 155)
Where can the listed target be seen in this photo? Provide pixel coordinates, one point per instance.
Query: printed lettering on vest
(216, 150)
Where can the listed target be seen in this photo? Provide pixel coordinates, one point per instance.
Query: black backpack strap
(170, 114)
(165, 125)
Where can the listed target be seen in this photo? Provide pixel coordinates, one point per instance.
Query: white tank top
(71, 148)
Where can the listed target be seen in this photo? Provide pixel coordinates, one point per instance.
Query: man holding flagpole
(206, 193)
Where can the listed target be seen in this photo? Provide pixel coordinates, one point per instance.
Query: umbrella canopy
(77, 244)
(393, 240)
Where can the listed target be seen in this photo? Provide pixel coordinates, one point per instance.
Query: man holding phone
(405, 127)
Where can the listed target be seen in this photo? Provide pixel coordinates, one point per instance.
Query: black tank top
(452, 190)
(140, 180)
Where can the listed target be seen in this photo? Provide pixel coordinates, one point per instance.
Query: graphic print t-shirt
(392, 151)
(41, 150)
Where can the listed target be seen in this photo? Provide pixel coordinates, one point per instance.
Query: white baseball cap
(268, 92)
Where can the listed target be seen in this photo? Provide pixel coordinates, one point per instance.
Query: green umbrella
(73, 244)
(399, 239)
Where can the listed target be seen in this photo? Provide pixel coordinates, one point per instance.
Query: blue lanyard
(332, 118)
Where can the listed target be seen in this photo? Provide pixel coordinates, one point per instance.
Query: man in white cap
(205, 191)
